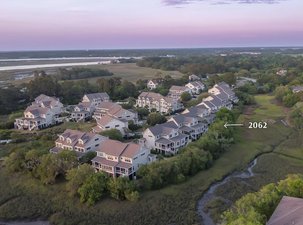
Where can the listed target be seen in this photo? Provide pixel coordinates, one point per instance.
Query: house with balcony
(43, 112)
(159, 103)
(108, 122)
(223, 88)
(78, 141)
(116, 111)
(203, 113)
(165, 138)
(176, 91)
(193, 77)
(120, 159)
(196, 87)
(190, 125)
(96, 98)
(85, 109)
(154, 83)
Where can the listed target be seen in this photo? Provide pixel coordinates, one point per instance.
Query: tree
(290, 99)
(77, 177)
(113, 134)
(142, 112)
(15, 161)
(185, 96)
(121, 187)
(52, 165)
(280, 92)
(155, 118)
(87, 158)
(93, 188)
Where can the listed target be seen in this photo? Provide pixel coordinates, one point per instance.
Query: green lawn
(175, 204)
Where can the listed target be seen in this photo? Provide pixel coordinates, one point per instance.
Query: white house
(108, 122)
(176, 91)
(96, 98)
(297, 89)
(78, 141)
(43, 112)
(196, 87)
(155, 101)
(165, 138)
(193, 77)
(223, 88)
(84, 110)
(153, 83)
(120, 159)
(190, 125)
(115, 110)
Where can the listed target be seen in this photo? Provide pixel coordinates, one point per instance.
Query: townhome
(193, 77)
(84, 110)
(196, 87)
(203, 113)
(153, 84)
(159, 103)
(297, 89)
(78, 141)
(43, 112)
(165, 138)
(200, 111)
(176, 91)
(120, 159)
(223, 88)
(108, 122)
(213, 103)
(96, 98)
(190, 125)
(115, 110)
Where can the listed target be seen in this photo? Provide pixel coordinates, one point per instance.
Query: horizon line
(151, 48)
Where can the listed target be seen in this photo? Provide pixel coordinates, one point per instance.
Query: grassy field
(127, 71)
(132, 72)
(175, 204)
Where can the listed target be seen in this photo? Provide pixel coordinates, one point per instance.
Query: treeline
(197, 156)
(71, 92)
(256, 208)
(80, 73)
(210, 64)
(263, 68)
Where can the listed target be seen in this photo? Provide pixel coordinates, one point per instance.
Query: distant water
(37, 66)
(66, 58)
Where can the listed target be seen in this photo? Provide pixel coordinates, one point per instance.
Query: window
(97, 139)
(117, 125)
(96, 145)
(88, 148)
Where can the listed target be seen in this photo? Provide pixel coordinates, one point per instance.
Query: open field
(175, 204)
(127, 71)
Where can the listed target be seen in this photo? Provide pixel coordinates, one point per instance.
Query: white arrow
(233, 125)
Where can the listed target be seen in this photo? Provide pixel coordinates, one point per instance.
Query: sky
(134, 24)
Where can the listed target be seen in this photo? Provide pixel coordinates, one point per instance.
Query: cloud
(220, 2)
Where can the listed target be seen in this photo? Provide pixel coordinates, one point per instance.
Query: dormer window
(80, 141)
(69, 140)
